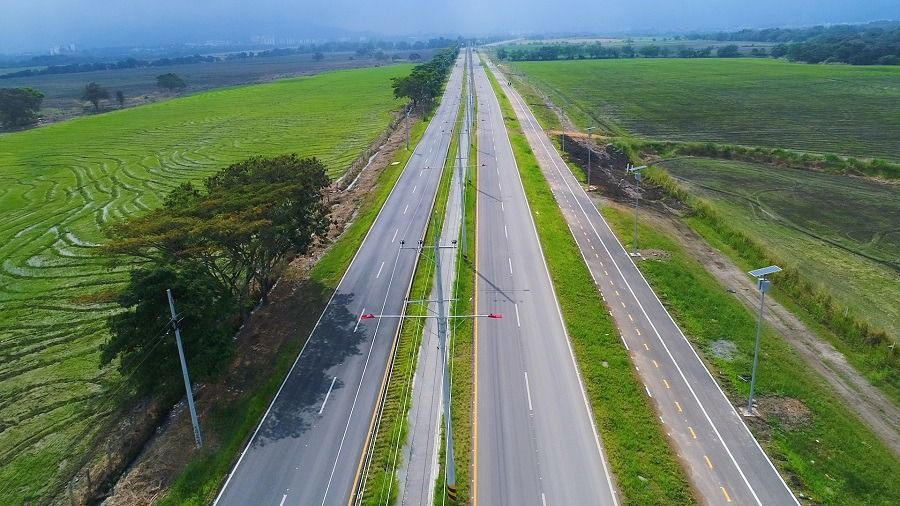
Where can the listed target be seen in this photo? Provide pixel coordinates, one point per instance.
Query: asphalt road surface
(725, 462)
(535, 442)
(308, 447)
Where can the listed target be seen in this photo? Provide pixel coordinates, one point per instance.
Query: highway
(308, 448)
(724, 460)
(534, 437)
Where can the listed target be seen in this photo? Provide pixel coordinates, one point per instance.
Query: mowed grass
(61, 184)
(849, 110)
(827, 453)
(842, 231)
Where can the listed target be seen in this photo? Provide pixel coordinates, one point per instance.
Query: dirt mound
(791, 413)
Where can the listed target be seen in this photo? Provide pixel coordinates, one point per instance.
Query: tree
(19, 106)
(241, 230)
(94, 93)
(415, 57)
(120, 98)
(318, 56)
(171, 82)
(141, 337)
(729, 51)
(650, 51)
(502, 53)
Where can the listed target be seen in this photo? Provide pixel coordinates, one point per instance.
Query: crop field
(840, 230)
(61, 184)
(818, 108)
(62, 91)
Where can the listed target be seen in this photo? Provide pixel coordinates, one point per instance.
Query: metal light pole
(763, 284)
(198, 437)
(637, 199)
(589, 131)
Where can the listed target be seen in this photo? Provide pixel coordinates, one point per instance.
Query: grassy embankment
(817, 286)
(381, 485)
(62, 184)
(234, 423)
(826, 452)
(635, 442)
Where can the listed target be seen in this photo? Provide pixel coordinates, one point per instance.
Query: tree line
(841, 44)
(220, 248)
(596, 50)
(362, 49)
(425, 81)
(21, 106)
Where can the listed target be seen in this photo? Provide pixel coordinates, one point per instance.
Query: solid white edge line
(765, 456)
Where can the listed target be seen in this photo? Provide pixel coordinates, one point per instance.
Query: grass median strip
(233, 423)
(821, 447)
(646, 467)
(381, 485)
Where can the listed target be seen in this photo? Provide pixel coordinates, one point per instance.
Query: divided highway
(309, 445)
(725, 462)
(535, 442)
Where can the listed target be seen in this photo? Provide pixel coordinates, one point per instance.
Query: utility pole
(763, 284)
(589, 131)
(637, 199)
(445, 358)
(198, 437)
(407, 126)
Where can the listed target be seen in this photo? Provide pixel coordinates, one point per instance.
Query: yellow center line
(611, 283)
(679, 407)
(666, 383)
(623, 304)
(693, 434)
(638, 331)
(646, 347)
(656, 364)
(617, 293)
(725, 493)
(630, 317)
(708, 463)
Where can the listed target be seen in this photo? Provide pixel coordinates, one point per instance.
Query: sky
(36, 25)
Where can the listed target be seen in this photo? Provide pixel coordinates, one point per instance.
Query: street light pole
(407, 127)
(198, 437)
(637, 199)
(763, 284)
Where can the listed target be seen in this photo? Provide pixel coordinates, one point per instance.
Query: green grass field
(819, 108)
(61, 184)
(827, 453)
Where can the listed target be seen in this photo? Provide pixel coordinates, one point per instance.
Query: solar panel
(765, 271)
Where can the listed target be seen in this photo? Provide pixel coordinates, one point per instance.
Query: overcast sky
(39, 24)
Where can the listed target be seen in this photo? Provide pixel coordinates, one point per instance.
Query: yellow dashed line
(679, 407)
(617, 292)
(646, 347)
(693, 434)
(708, 463)
(638, 331)
(667, 384)
(630, 317)
(623, 304)
(656, 364)
(725, 493)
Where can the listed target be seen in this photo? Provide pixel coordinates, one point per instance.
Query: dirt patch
(723, 349)
(791, 413)
(156, 455)
(655, 254)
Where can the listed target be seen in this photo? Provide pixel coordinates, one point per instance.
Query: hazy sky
(40, 24)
